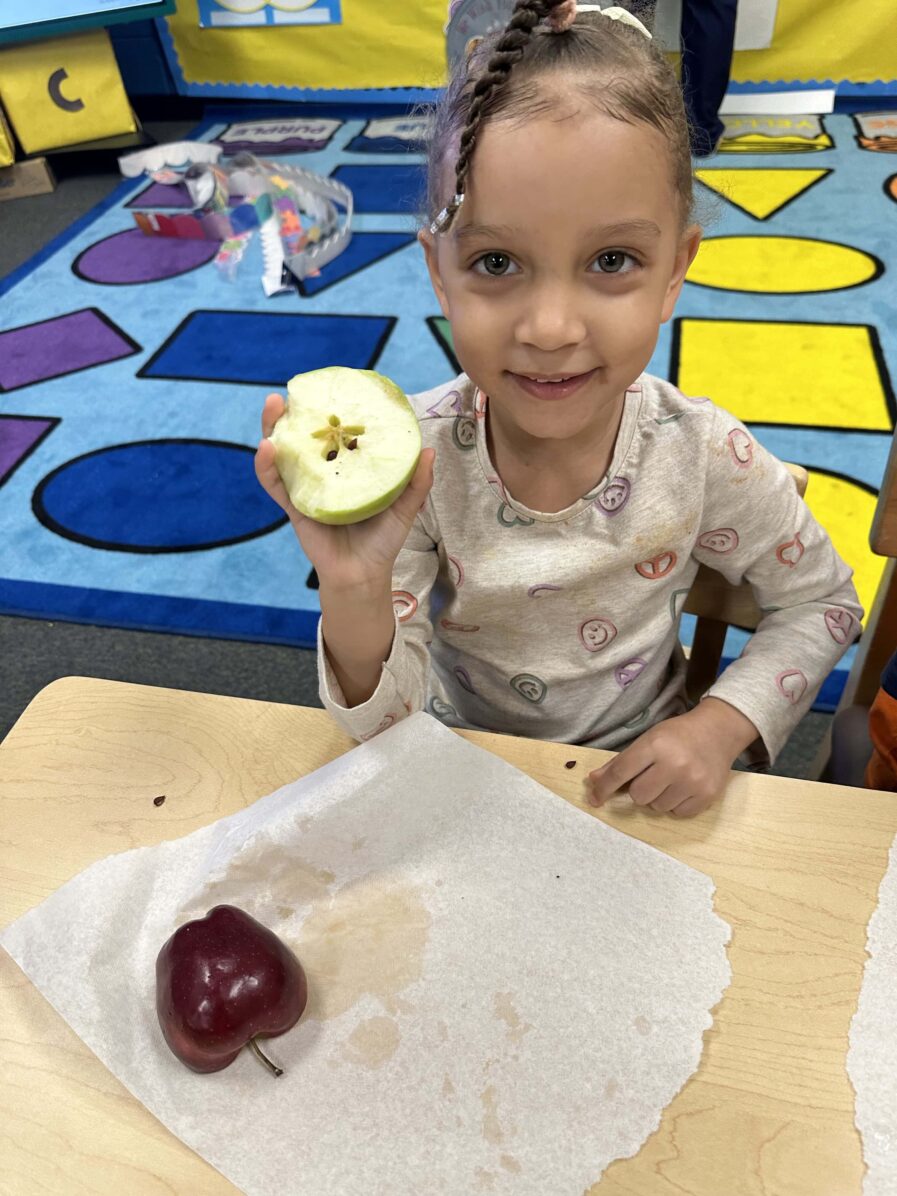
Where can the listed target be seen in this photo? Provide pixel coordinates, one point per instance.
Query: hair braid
(508, 51)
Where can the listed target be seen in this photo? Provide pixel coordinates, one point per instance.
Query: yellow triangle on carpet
(760, 191)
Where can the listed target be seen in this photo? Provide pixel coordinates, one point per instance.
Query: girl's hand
(680, 766)
(358, 553)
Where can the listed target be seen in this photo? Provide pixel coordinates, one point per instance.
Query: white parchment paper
(504, 992)
(872, 1053)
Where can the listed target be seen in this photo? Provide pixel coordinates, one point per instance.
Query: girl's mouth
(547, 388)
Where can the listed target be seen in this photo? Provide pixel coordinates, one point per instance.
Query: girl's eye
(496, 264)
(614, 261)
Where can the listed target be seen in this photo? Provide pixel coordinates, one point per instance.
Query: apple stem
(276, 1071)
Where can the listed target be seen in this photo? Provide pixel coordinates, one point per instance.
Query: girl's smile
(552, 388)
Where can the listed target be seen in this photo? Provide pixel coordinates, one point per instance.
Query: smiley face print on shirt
(722, 540)
(614, 497)
(530, 687)
(596, 633)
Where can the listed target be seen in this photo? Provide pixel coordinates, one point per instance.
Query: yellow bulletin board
(845, 42)
(380, 44)
(400, 44)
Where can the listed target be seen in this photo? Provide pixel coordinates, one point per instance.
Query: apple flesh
(347, 444)
(221, 982)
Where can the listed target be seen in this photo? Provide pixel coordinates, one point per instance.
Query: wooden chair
(719, 605)
(879, 638)
(845, 752)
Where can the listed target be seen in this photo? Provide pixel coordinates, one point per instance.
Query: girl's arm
(357, 631)
(755, 527)
(358, 644)
(373, 646)
(811, 610)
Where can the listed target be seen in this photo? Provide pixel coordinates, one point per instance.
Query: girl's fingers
(690, 807)
(269, 479)
(271, 413)
(671, 797)
(415, 494)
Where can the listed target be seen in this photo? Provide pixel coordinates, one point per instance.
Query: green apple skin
(361, 482)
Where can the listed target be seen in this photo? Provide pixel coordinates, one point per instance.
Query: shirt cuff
(773, 733)
(384, 707)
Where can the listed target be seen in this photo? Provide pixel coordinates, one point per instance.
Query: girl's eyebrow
(645, 228)
(497, 232)
(494, 231)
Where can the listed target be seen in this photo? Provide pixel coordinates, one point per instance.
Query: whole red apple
(221, 981)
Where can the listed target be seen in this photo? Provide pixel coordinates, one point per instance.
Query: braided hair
(617, 70)
(507, 52)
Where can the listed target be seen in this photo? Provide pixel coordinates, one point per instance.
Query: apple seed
(337, 437)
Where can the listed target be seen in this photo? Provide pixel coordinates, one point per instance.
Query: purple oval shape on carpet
(132, 257)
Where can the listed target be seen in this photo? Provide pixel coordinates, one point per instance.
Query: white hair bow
(615, 14)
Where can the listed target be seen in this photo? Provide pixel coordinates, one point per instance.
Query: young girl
(535, 587)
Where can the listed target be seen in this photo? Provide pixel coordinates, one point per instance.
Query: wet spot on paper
(492, 1131)
(367, 939)
(505, 1011)
(373, 1042)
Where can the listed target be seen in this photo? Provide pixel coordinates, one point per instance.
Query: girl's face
(563, 261)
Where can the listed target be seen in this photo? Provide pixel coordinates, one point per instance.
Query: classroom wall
(397, 43)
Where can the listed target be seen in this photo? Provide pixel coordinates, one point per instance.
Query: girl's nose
(551, 319)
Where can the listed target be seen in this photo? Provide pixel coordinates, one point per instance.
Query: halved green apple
(347, 444)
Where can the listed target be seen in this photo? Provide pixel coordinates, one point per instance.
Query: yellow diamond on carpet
(845, 510)
(771, 372)
(760, 191)
(781, 265)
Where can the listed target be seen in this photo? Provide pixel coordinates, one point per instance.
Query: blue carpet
(132, 373)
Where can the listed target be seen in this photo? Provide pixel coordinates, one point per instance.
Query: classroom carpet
(133, 369)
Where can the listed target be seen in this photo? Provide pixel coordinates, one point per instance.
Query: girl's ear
(428, 243)
(689, 244)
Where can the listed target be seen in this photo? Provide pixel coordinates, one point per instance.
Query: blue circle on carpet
(158, 496)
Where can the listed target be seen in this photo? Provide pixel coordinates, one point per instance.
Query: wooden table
(797, 867)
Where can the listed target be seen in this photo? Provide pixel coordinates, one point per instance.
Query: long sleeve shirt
(565, 625)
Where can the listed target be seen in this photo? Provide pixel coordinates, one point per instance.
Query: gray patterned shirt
(564, 626)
